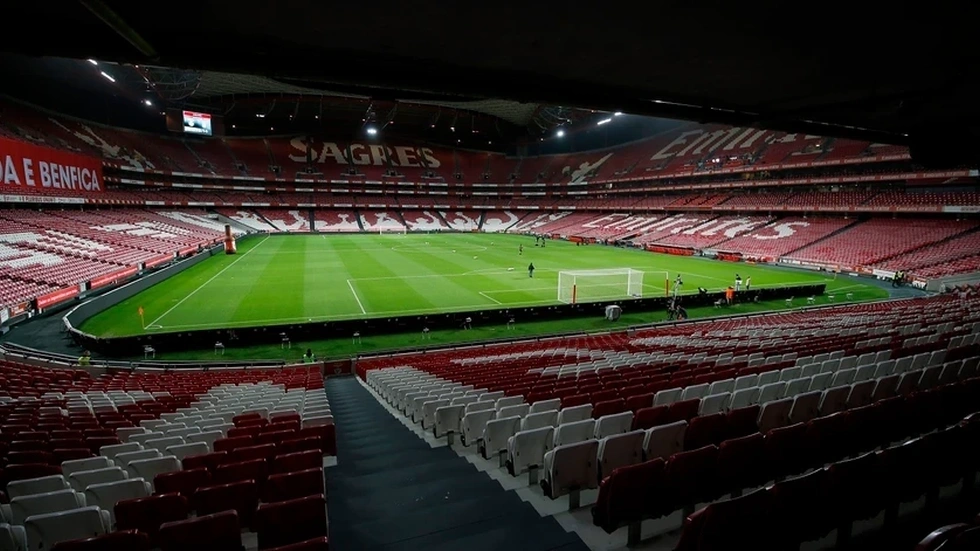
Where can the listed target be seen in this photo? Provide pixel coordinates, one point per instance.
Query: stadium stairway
(391, 490)
(266, 220)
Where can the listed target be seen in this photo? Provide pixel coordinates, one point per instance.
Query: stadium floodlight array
(575, 286)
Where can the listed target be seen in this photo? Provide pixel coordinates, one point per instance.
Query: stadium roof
(867, 72)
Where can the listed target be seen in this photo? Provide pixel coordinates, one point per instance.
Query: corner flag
(141, 311)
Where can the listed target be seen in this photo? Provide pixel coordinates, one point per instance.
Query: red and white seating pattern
(671, 225)
(783, 236)
(715, 232)
(248, 218)
(499, 220)
(250, 446)
(533, 222)
(462, 220)
(336, 221)
(423, 220)
(375, 221)
(290, 220)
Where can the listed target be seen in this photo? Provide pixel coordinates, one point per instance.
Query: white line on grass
(486, 296)
(357, 298)
(192, 293)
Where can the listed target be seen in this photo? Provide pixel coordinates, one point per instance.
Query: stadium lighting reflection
(148, 102)
(617, 113)
(93, 62)
(560, 133)
(372, 130)
(603, 121)
(106, 75)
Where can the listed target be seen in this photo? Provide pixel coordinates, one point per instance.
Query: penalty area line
(488, 297)
(357, 298)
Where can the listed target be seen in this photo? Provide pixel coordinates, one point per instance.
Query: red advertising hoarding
(107, 279)
(29, 168)
(55, 297)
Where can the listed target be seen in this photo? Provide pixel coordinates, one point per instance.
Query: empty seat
(87, 464)
(129, 540)
(474, 423)
(291, 521)
(609, 425)
(497, 432)
(546, 405)
(715, 403)
(162, 444)
(775, 414)
(518, 410)
(251, 469)
(650, 417)
(44, 531)
(184, 482)
(834, 400)
(124, 459)
(148, 513)
(620, 450)
(704, 430)
(83, 479)
(664, 441)
(181, 451)
(286, 486)
(447, 420)
(624, 496)
(207, 437)
(112, 451)
(744, 397)
(23, 507)
(39, 485)
(806, 406)
(860, 394)
(148, 469)
(296, 461)
(578, 431)
(241, 496)
(214, 532)
(797, 386)
(569, 468)
(106, 495)
(526, 448)
(667, 397)
(771, 392)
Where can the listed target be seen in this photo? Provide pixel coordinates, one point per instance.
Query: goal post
(576, 286)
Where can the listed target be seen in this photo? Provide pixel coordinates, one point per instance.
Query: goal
(402, 230)
(575, 286)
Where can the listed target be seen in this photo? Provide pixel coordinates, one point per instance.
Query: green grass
(293, 279)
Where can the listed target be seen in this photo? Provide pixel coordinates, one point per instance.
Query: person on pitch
(309, 357)
(530, 270)
(520, 250)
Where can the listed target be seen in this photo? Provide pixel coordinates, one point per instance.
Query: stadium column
(230, 246)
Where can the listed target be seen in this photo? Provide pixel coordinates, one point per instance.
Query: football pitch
(281, 279)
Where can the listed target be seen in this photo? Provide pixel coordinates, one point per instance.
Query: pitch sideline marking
(192, 293)
(357, 298)
(486, 296)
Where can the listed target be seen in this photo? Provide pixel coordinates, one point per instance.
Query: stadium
(251, 304)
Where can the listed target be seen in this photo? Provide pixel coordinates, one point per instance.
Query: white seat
(143, 437)
(744, 397)
(152, 424)
(526, 448)
(113, 450)
(571, 467)
(843, 377)
(821, 382)
(83, 479)
(429, 411)
(548, 418)
(508, 401)
(463, 400)
(447, 419)
(767, 378)
(790, 373)
(885, 387)
(715, 403)
(903, 364)
(496, 434)
(125, 459)
(87, 464)
(664, 440)
(577, 431)
(161, 444)
(517, 410)
(774, 414)
(477, 406)
(722, 386)
(884, 369)
(183, 433)
(860, 394)
(930, 377)
(40, 485)
(23, 507)
(908, 382)
(834, 400)
(745, 381)
(575, 413)
(667, 396)
(694, 391)
(106, 495)
(950, 372)
(474, 423)
(148, 469)
(123, 433)
(616, 423)
(546, 405)
(180, 451)
(620, 450)
(797, 386)
(865, 373)
(207, 437)
(806, 406)
(771, 391)
(44, 531)
(809, 370)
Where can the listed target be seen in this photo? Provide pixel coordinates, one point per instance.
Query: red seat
(574, 400)
(315, 544)
(649, 417)
(31, 457)
(608, 407)
(217, 532)
(327, 434)
(30, 470)
(301, 445)
(231, 444)
(639, 401)
(252, 469)
(209, 461)
(184, 482)
(742, 422)
(684, 410)
(146, 514)
(742, 463)
(245, 417)
(94, 443)
(297, 461)
(291, 521)
(264, 451)
(692, 477)
(787, 451)
(239, 432)
(624, 496)
(275, 437)
(856, 486)
(286, 486)
(801, 510)
(62, 455)
(705, 430)
(603, 396)
(242, 496)
(827, 438)
(28, 446)
(278, 418)
(128, 540)
(739, 523)
(247, 423)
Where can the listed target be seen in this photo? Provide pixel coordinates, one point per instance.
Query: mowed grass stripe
(296, 278)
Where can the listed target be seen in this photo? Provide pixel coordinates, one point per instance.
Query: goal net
(575, 286)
